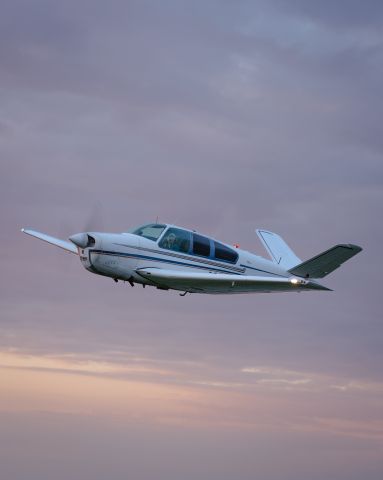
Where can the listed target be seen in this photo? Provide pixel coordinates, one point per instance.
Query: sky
(219, 116)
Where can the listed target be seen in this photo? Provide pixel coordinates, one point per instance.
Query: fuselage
(121, 256)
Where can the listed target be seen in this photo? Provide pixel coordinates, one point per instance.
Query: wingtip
(355, 247)
(351, 246)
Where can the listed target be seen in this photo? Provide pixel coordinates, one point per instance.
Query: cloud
(188, 398)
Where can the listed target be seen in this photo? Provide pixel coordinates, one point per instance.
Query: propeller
(93, 223)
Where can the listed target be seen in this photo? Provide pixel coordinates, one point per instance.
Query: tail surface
(278, 249)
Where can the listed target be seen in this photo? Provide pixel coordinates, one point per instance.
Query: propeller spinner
(82, 240)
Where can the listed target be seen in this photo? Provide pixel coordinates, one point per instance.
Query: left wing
(222, 282)
(64, 244)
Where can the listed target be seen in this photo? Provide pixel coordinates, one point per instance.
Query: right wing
(64, 244)
(222, 282)
(326, 262)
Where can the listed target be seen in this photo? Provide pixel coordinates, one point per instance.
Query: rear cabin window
(176, 239)
(225, 253)
(201, 245)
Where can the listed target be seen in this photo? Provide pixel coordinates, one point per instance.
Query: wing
(222, 283)
(326, 262)
(68, 246)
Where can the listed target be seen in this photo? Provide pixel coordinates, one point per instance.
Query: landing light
(298, 281)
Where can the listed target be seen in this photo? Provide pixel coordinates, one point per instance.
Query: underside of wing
(326, 262)
(223, 283)
(64, 244)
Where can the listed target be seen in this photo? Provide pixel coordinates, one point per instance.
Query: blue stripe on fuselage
(156, 259)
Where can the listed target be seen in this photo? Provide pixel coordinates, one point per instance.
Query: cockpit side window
(176, 239)
(222, 252)
(201, 245)
(152, 231)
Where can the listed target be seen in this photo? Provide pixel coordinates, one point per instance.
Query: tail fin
(278, 249)
(326, 262)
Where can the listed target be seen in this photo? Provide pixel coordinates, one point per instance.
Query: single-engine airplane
(170, 257)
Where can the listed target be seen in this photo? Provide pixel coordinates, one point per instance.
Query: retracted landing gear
(130, 280)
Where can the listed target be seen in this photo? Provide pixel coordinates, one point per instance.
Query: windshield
(152, 231)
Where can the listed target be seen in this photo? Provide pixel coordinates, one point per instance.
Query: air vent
(91, 241)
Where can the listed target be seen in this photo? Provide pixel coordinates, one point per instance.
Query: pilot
(170, 241)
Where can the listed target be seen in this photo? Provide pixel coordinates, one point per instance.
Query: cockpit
(185, 241)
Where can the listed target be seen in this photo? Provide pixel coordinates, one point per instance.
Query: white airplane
(170, 257)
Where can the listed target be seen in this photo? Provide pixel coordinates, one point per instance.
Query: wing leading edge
(223, 283)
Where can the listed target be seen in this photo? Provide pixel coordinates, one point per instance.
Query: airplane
(174, 258)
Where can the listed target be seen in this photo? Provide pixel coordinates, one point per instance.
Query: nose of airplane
(80, 239)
